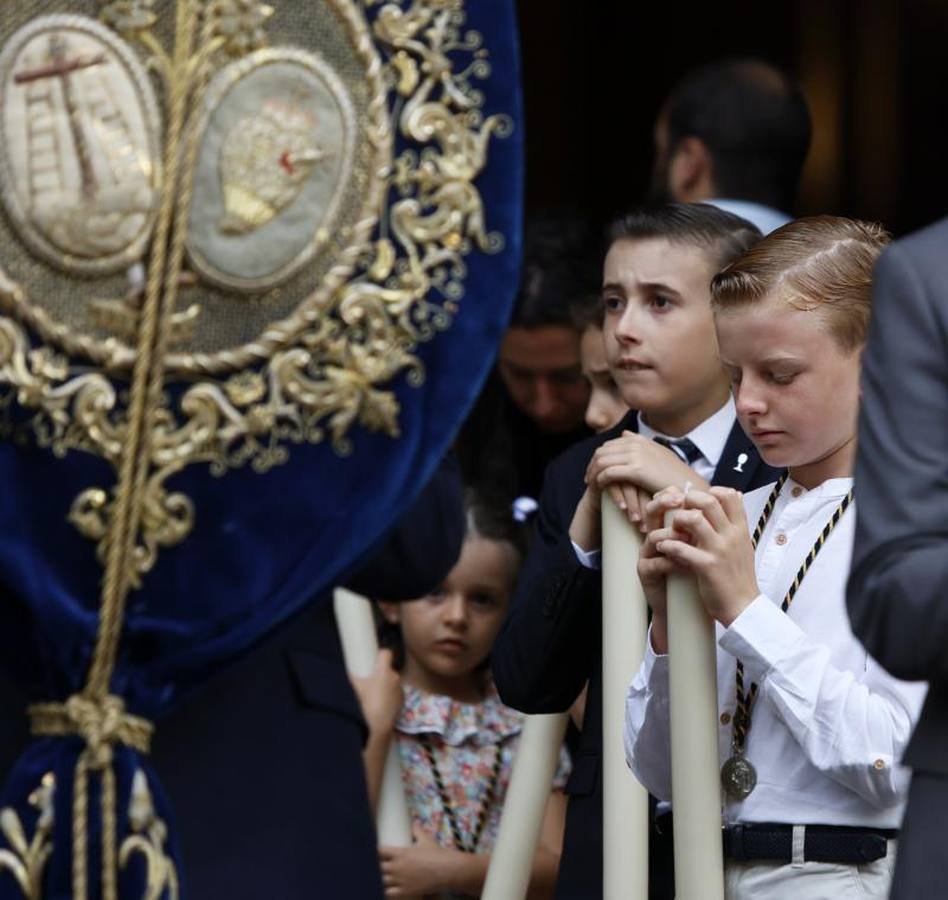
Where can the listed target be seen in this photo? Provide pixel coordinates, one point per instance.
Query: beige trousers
(810, 880)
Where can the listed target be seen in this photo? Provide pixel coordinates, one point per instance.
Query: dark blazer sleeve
(548, 645)
(898, 589)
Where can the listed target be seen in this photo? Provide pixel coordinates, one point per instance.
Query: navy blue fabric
(263, 766)
(262, 545)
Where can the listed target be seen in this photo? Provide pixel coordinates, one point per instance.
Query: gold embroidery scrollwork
(72, 412)
(167, 518)
(330, 365)
(148, 837)
(26, 860)
(441, 215)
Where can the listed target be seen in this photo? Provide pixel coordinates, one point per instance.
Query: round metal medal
(738, 777)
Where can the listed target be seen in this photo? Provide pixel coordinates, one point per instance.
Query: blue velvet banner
(263, 545)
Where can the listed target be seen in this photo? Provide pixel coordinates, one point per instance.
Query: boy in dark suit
(659, 339)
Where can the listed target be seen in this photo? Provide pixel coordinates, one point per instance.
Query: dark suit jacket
(263, 762)
(898, 586)
(551, 643)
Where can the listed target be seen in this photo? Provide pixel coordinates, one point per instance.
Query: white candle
(696, 791)
(531, 781)
(360, 649)
(624, 623)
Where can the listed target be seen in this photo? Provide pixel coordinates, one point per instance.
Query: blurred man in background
(734, 133)
(534, 402)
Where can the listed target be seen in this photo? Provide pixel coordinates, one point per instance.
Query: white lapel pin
(741, 459)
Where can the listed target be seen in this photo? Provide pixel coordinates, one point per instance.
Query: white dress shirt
(709, 437)
(766, 218)
(829, 725)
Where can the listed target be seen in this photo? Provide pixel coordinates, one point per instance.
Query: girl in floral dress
(456, 740)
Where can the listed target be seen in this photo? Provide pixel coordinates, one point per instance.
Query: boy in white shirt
(812, 729)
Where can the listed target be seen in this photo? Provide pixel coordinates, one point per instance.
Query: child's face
(606, 406)
(451, 631)
(658, 328)
(796, 389)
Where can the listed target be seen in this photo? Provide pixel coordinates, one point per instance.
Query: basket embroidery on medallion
(275, 158)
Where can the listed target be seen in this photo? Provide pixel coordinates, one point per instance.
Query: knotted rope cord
(96, 715)
(744, 702)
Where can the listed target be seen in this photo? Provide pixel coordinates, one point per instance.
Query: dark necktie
(683, 447)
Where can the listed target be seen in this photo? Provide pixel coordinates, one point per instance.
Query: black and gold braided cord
(768, 510)
(744, 702)
(486, 801)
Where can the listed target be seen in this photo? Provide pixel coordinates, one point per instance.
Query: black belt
(821, 843)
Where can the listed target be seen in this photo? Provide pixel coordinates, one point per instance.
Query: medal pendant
(738, 777)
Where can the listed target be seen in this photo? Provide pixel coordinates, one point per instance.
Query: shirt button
(725, 718)
(797, 491)
(781, 539)
(879, 765)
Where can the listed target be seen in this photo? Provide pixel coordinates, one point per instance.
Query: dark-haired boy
(660, 341)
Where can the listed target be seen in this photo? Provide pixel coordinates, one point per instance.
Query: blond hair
(821, 263)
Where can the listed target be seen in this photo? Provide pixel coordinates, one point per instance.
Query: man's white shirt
(829, 725)
(766, 218)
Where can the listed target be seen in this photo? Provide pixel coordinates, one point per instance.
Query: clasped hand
(631, 468)
(707, 536)
(419, 870)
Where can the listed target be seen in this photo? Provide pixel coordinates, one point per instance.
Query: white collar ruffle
(486, 722)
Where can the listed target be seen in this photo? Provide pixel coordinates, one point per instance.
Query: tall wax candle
(696, 791)
(360, 649)
(531, 781)
(624, 625)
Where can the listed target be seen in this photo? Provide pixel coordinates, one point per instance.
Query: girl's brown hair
(822, 263)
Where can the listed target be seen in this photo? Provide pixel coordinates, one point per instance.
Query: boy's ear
(391, 612)
(691, 171)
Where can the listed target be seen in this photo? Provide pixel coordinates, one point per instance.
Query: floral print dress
(464, 739)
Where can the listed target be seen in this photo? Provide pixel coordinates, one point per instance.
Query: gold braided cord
(99, 707)
(162, 323)
(128, 506)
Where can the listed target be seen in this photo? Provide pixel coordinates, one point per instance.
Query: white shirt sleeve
(588, 559)
(854, 729)
(647, 734)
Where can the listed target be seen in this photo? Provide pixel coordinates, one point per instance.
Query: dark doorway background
(875, 73)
